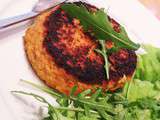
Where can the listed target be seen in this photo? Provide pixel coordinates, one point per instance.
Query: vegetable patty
(63, 54)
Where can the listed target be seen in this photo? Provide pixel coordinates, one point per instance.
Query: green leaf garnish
(99, 24)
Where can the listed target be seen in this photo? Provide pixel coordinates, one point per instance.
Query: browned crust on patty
(46, 68)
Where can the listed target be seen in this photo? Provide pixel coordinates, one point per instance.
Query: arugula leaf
(99, 24)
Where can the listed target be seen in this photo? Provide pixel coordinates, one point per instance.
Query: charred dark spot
(75, 53)
(124, 61)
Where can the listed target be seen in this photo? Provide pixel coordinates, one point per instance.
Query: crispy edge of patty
(45, 67)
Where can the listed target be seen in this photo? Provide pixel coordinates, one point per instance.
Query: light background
(153, 5)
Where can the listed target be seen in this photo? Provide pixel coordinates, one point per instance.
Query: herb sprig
(103, 52)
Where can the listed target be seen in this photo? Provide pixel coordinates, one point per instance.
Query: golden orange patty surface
(63, 55)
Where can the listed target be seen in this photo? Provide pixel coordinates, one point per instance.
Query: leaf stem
(37, 97)
(103, 52)
(44, 89)
(129, 86)
(41, 99)
(74, 109)
(92, 104)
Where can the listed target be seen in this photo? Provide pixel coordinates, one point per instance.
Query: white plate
(140, 23)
